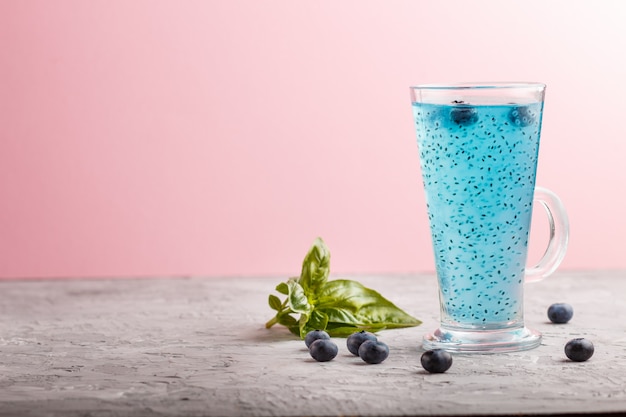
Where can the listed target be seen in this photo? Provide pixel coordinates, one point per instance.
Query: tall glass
(478, 145)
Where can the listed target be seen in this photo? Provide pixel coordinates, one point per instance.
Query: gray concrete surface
(198, 347)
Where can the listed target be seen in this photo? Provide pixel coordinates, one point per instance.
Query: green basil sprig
(340, 307)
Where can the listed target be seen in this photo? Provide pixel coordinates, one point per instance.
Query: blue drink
(478, 166)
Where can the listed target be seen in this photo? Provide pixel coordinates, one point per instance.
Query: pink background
(221, 137)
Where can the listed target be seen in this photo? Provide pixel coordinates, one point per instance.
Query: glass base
(482, 341)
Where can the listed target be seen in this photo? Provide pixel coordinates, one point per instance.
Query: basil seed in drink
(478, 167)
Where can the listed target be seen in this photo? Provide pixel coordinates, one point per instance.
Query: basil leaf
(304, 319)
(287, 320)
(295, 329)
(315, 268)
(282, 288)
(349, 302)
(345, 330)
(316, 321)
(275, 303)
(298, 301)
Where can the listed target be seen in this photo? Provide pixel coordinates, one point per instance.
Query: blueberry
(579, 350)
(356, 339)
(323, 350)
(463, 114)
(522, 116)
(560, 313)
(373, 351)
(314, 335)
(436, 361)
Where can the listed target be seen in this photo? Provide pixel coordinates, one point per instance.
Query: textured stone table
(198, 347)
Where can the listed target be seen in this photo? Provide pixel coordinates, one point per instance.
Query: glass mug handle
(559, 235)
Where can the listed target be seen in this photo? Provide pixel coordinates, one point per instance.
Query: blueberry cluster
(321, 348)
(363, 344)
(367, 346)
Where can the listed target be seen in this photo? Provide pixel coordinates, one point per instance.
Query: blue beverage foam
(478, 166)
